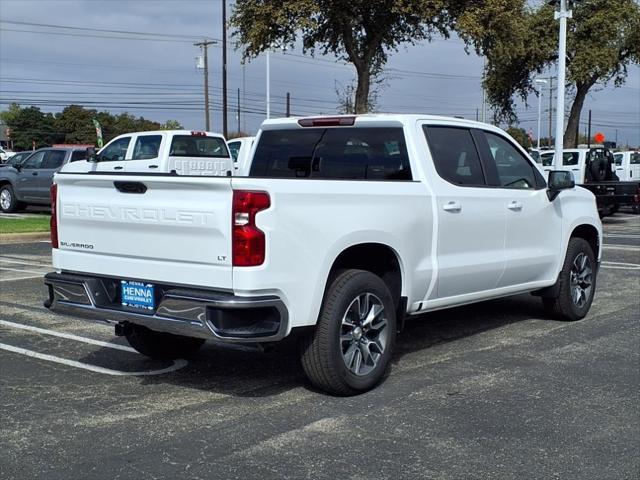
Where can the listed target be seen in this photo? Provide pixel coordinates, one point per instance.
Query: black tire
(567, 306)
(8, 201)
(325, 352)
(598, 169)
(162, 346)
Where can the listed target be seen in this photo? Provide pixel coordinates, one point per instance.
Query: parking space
(493, 390)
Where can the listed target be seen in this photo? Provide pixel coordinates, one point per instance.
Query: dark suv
(29, 182)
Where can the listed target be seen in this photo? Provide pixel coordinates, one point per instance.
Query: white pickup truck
(344, 226)
(185, 152)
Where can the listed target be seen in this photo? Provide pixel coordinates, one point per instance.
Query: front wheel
(8, 201)
(350, 349)
(162, 346)
(577, 283)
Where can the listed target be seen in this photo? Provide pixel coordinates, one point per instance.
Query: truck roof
(376, 118)
(175, 132)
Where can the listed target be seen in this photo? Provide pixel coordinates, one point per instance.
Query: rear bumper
(198, 313)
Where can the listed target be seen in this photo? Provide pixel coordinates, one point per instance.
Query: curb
(7, 238)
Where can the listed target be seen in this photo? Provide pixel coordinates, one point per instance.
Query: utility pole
(289, 106)
(550, 109)
(204, 46)
(224, 68)
(484, 93)
(238, 111)
(563, 14)
(589, 131)
(540, 82)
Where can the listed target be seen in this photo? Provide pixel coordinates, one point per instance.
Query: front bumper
(198, 313)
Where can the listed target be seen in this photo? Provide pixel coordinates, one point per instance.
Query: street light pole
(268, 87)
(562, 15)
(540, 81)
(224, 68)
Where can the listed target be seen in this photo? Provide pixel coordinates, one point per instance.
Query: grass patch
(24, 224)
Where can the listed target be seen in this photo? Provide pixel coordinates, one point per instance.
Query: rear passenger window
(514, 170)
(147, 147)
(53, 159)
(454, 155)
(333, 153)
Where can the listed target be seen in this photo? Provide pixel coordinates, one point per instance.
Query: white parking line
(612, 246)
(621, 265)
(69, 336)
(621, 235)
(21, 278)
(177, 364)
(23, 270)
(24, 262)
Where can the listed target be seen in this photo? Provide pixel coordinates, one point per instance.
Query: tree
(171, 125)
(76, 123)
(520, 135)
(603, 39)
(362, 32)
(30, 126)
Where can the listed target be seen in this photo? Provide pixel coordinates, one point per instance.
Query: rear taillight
(248, 240)
(54, 215)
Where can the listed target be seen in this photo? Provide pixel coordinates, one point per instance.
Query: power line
(105, 30)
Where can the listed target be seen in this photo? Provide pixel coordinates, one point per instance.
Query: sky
(152, 71)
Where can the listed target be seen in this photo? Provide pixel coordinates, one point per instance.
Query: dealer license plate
(137, 295)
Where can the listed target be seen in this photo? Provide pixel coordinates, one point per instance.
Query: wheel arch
(590, 234)
(377, 258)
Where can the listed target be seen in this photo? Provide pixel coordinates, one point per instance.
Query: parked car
(628, 165)
(181, 151)
(344, 226)
(29, 182)
(5, 155)
(240, 149)
(595, 170)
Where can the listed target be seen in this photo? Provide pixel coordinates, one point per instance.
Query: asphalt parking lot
(490, 391)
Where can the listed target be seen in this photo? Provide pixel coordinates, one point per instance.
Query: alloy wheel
(581, 279)
(5, 199)
(363, 334)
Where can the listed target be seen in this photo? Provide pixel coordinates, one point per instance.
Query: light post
(562, 15)
(268, 87)
(540, 82)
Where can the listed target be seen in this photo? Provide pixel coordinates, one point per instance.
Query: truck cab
(185, 152)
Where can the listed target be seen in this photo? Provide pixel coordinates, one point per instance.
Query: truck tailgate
(162, 228)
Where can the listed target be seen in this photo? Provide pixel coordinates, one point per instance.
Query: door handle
(515, 206)
(117, 168)
(453, 207)
(35, 174)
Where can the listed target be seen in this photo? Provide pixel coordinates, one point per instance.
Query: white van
(184, 152)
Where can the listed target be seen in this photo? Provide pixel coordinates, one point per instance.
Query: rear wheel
(350, 349)
(162, 346)
(577, 283)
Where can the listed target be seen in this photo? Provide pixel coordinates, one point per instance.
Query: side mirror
(18, 166)
(559, 180)
(92, 156)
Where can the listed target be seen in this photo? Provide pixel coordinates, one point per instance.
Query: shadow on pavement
(250, 372)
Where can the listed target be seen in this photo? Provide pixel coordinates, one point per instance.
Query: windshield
(18, 158)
